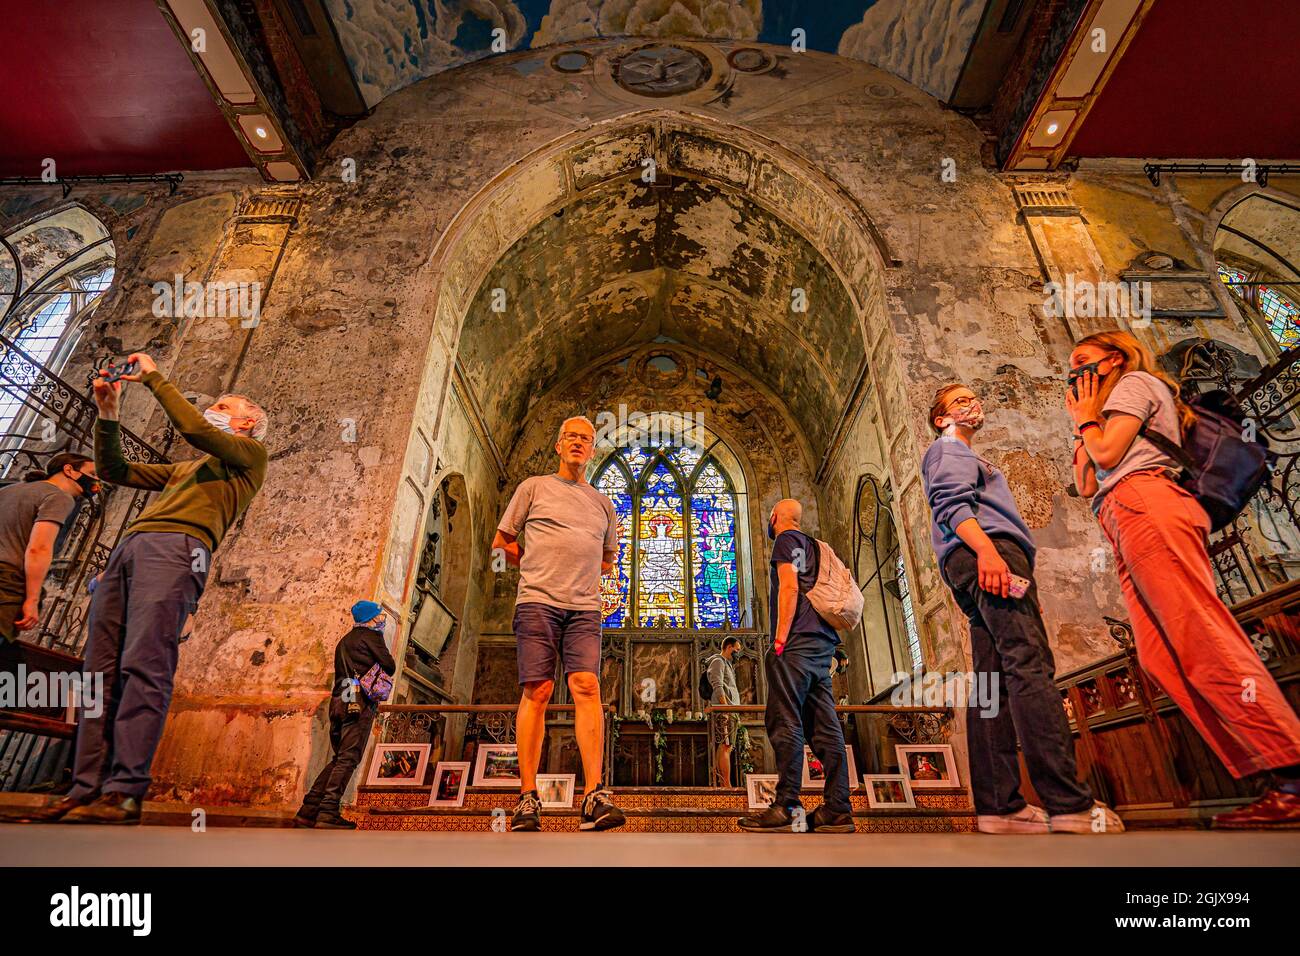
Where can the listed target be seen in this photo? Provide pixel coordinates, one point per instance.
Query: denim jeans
(801, 707)
(1008, 638)
(152, 582)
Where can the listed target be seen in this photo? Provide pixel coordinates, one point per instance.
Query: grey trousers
(152, 581)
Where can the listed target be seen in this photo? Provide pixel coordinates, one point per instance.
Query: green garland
(743, 745)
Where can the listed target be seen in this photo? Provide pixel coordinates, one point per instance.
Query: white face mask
(218, 420)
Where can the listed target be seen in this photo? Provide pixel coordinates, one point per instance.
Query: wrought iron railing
(1261, 548)
(54, 417)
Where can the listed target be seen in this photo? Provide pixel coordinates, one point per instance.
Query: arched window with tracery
(678, 520)
(889, 623)
(53, 273)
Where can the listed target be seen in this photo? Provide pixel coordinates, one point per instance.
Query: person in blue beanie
(351, 715)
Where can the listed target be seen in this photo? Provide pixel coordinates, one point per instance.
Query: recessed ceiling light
(1050, 129)
(261, 132)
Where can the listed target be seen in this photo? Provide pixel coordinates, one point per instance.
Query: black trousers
(151, 584)
(801, 708)
(1008, 639)
(348, 734)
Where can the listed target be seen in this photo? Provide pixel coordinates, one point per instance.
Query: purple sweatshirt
(959, 485)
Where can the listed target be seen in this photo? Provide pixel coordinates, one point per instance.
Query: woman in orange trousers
(1186, 639)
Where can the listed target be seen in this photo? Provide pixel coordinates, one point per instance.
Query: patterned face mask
(972, 416)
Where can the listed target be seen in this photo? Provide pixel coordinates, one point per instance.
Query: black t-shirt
(797, 548)
(359, 650)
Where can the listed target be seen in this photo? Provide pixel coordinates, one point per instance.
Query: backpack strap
(1176, 452)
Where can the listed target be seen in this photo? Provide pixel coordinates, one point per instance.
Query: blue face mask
(379, 624)
(219, 420)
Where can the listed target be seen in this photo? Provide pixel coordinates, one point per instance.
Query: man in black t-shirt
(800, 703)
(33, 516)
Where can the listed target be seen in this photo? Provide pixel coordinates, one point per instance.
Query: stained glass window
(713, 550)
(614, 587)
(1282, 314)
(677, 559)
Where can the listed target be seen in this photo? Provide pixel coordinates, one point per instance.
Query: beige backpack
(835, 595)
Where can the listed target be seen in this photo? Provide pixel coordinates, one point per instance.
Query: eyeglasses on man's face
(578, 437)
(963, 401)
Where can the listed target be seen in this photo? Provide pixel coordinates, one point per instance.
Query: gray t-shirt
(1148, 399)
(567, 528)
(722, 677)
(21, 506)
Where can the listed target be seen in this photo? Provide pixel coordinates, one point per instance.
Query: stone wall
(375, 396)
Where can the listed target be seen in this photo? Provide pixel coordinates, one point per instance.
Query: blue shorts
(543, 633)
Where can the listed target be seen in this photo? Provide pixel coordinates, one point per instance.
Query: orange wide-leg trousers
(1187, 640)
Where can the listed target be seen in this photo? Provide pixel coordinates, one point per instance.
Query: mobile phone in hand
(1019, 586)
(115, 372)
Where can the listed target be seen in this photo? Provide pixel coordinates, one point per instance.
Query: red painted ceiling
(1203, 79)
(103, 86)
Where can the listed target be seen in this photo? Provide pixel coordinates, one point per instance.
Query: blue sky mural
(393, 43)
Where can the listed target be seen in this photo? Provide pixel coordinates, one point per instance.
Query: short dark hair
(728, 641)
(55, 465)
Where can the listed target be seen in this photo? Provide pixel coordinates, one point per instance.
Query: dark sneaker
(305, 818)
(334, 821)
(1275, 810)
(528, 812)
(772, 820)
(822, 820)
(52, 811)
(599, 812)
(109, 809)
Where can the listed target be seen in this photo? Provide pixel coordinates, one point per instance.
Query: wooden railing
(1134, 746)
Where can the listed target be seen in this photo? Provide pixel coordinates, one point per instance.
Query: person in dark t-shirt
(351, 715)
(33, 514)
(800, 704)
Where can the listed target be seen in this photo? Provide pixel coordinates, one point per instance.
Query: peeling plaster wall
(362, 323)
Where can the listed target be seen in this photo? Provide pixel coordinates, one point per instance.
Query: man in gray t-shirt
(570, 536)
(722, 679)
(32, 513)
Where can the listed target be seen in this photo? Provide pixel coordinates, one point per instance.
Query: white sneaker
(1099, 819)
(1028, 819)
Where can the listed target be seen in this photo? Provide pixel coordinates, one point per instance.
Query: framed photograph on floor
(497, 765)
(928, 765)
(556, 790)
(761, 788)
(888, 791)
(398, 765)
(449, 780)
(814, 777)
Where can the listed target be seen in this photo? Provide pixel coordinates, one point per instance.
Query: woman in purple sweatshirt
(986, 557)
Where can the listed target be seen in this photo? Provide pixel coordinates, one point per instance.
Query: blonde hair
(1137, 358)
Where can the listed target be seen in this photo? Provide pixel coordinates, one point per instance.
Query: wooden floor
(56, 845)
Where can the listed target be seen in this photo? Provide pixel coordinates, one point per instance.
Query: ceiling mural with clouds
(393, 43)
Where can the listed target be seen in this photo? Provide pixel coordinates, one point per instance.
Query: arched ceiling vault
(684, 260)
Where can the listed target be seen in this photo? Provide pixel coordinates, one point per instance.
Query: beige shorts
(724, 729)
